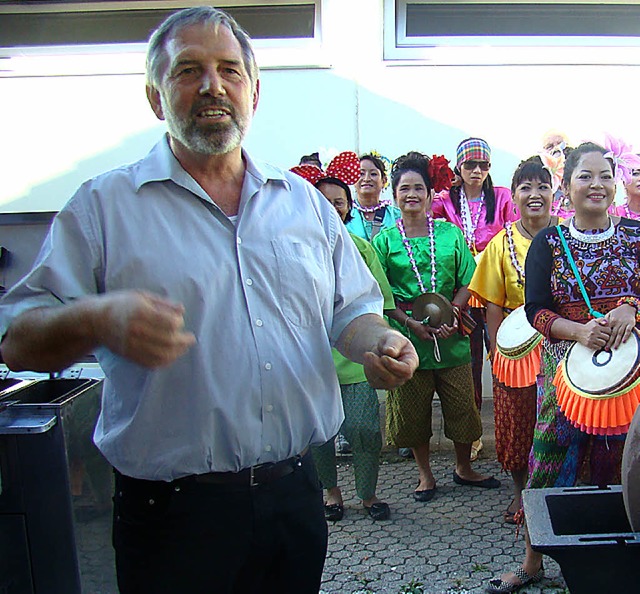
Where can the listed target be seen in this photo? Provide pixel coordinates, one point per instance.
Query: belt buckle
(252, 478)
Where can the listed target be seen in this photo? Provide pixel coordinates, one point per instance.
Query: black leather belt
(253, 476)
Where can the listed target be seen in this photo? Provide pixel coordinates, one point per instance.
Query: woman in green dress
(421, 255)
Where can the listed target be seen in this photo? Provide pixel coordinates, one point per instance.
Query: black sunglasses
(471, 165)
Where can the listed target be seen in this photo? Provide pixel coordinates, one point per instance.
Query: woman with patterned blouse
(606, 254)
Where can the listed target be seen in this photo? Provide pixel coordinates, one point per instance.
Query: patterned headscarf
(472, 149)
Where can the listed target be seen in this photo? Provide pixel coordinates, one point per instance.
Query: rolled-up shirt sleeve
(66, 268)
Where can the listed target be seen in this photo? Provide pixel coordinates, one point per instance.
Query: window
(95, 37)
(512, 32)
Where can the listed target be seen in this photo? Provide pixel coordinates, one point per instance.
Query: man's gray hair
(198, 15)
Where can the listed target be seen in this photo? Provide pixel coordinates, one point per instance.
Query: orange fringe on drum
(517, 373)
(597, 416)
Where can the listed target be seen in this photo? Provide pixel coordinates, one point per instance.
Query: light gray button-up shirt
(265, 295)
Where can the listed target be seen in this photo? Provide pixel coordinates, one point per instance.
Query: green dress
(454, 268)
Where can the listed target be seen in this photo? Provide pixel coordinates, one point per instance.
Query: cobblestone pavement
(451, 545)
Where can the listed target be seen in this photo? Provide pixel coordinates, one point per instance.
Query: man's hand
(143, 328)
(392, 362)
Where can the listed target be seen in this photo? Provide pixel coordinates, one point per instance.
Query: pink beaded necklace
(432, 253)
(630, 214)
(368, 209)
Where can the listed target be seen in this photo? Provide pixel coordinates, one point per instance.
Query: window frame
(495, 50)
(129, 58)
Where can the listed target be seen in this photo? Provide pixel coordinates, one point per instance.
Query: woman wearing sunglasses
(481, 210)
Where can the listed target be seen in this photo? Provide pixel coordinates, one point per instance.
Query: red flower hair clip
(440, 173)
(344, 167)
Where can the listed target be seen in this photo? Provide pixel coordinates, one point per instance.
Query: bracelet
(406, 321)
(633, 302)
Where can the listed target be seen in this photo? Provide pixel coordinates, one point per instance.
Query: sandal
(509, 517)
(476, 447)
(499, 586)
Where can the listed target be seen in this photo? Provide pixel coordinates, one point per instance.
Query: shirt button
(249, 282)
(267, 448)
(269, 407)
(267, 366)
(238, 240)
(259, 322)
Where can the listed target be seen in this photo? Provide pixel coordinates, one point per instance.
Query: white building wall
(58, 131)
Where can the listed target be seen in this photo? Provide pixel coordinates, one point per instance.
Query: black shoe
(378, 511)
(424, 495)
(488, 483)
(333, 512)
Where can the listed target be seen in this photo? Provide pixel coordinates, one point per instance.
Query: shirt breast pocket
(305, 281)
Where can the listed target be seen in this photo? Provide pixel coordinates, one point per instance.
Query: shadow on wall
(54, 193)
(300, 111)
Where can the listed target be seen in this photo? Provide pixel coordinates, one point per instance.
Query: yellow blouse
(496, 278)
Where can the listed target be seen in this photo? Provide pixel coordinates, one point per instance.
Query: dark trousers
(189, 537)
(479, 339)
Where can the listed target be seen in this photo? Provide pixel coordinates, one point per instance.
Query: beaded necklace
(432, 253)
(591, 237)
(512, 254)
(469, 226)
(368, 209)
(630, 214)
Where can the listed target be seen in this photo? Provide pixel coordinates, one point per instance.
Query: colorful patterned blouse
(609, 269)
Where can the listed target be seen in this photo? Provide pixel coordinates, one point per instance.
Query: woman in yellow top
(499, 283)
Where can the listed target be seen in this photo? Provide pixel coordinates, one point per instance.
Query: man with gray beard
(211, 287)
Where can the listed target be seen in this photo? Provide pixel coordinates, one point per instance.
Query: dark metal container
(54, 484)
(586, 530)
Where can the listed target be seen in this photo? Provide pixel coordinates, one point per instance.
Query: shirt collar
(161, 165)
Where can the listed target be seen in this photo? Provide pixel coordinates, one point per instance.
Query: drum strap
(576, 273)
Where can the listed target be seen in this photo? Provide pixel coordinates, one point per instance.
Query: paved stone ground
(451, 545)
